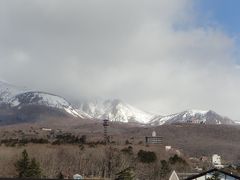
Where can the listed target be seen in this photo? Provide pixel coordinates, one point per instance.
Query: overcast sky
(161, 56)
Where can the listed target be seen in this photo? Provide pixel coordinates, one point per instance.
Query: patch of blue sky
(223, 14)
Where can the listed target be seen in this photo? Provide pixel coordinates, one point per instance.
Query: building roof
(211, 171)
(174, 176)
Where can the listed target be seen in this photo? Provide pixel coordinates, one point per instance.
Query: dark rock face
(28, 98)
(28, 113)
(214, 118)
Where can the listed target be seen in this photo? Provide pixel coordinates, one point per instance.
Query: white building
(216, 161)
(168, 148)
(154, 134)
(46, 129)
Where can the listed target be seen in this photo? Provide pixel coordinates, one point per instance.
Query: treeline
(66, 138)
(21, 142)
(69, 139)
(110, 161)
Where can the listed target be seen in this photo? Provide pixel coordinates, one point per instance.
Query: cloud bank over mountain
(163, 56)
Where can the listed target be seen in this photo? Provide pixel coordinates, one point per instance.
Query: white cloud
(20, 57)
(153, 54)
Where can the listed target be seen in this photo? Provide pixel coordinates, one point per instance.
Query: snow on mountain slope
(43, 99)
(114, 110)
(7, 91)
(19, 97)
(192, 116)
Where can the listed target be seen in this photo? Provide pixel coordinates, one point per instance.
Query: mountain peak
(16, 97)
(7, 91)
(196, 111)
(193, 116)
(114, 110)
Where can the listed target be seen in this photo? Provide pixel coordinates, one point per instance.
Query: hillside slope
(19, 105)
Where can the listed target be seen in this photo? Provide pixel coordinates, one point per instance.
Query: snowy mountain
(43, 99)
(192, 116)
(7, 91)
(17, 98)
(23, 102)
(114, 110)
(118, 111)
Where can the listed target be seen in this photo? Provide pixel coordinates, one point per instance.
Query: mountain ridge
(193, 116)
(113, 109)
(12, 97)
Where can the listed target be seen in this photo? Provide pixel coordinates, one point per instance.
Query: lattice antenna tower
(105, 130)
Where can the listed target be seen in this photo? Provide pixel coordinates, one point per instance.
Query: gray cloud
(153, 54)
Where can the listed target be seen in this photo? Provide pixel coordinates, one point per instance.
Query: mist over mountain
(115, 110)
(21, 104)
(162, 56)
(107, 89)
(192, 116)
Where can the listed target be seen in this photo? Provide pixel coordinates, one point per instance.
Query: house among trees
(46, 129)
(154, 139)
(174, 176)
(213, 174)
(216, 161)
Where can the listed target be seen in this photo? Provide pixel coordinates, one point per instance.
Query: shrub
(147, 156)
(126, 174)
(22, 165)
(83, 139)
(176, 159)
(127, 142)
(128, 150)
(60, 175)
(68, 138)
(165, 169)
(27, 168)
(34, 169)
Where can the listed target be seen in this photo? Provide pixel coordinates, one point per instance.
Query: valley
(79, 147)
